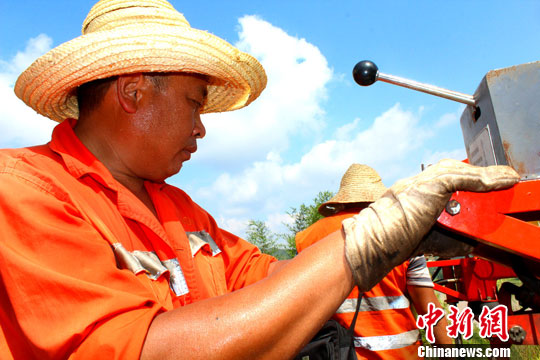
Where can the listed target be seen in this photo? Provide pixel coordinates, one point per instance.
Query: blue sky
(312, 121)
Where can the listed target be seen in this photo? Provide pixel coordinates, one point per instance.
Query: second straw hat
(359, 184)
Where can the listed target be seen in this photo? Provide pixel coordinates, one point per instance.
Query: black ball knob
(365, 73)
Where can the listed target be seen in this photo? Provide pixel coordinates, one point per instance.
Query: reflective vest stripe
(387, 342)
(378, 303)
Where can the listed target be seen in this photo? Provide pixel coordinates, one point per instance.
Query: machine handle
(366, 73)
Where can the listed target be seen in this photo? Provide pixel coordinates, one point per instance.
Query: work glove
(444, 244)
(386, 233)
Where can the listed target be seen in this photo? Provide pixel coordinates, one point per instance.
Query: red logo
(462, 322)
(429, 320)
(494, 322)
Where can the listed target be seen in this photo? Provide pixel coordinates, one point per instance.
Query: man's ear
(130, 89)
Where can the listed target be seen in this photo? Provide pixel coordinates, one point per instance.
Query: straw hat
(131, 36)
(360, 184)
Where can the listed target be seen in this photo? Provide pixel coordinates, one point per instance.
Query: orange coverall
(85, 266)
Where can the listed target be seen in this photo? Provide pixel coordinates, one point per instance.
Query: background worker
(385, 326)
(101, 258)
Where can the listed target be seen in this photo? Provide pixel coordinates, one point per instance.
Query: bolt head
(453, 207)
(517, 333)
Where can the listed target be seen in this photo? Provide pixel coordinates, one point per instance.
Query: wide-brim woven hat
(359, 184)
(132, 36)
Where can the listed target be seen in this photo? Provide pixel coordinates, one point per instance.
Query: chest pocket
(209, 262)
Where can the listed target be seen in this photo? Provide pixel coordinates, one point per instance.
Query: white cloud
(21, 126)
(450, 118)
(276, 221)
(431, 158)
(234, 225)
(346, 131)
(392, 145)
(35, 47)
(261, 182)
(291, 103)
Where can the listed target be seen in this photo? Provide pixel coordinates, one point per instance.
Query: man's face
(164, 130)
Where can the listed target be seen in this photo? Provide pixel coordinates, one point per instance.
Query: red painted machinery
(500, 229)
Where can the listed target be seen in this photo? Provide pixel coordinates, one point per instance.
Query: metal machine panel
(504, 125)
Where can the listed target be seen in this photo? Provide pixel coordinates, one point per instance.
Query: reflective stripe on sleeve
(387, 342)
(374, 304)
(418, 273)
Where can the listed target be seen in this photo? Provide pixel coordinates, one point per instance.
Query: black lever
(366, 73)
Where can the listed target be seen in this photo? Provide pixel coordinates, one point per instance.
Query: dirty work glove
(444, 243)
(386, 233)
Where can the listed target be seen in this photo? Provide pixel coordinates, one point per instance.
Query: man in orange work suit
(101, 258)
(385, 326)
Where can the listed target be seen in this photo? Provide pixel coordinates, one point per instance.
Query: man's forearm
(276, 265)
(271, 319)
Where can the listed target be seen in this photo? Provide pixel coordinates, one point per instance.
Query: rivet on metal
(517, 334)
(453, 207)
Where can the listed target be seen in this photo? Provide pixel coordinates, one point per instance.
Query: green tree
(260, 235)
(303, 217)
